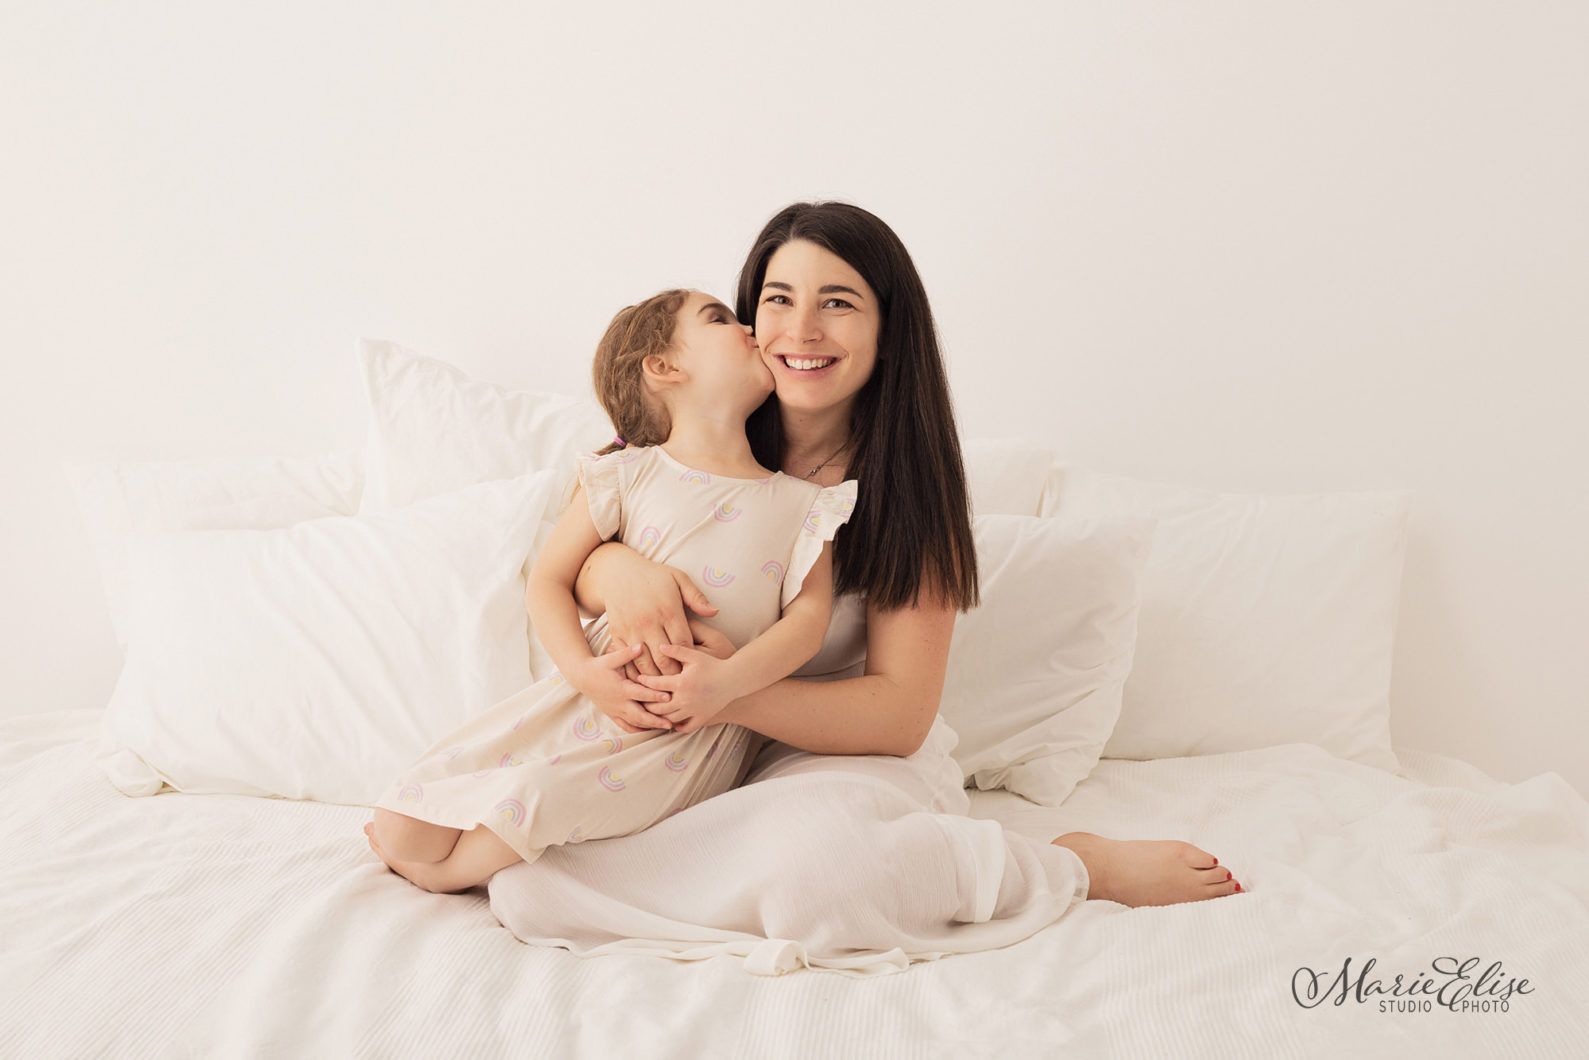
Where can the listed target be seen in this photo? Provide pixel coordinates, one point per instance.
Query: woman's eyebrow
(831, 288)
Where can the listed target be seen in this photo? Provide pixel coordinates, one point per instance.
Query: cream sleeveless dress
(545, 767)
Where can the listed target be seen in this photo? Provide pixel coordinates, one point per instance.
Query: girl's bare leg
(477, 856)
(413, 840)
(1148, 871)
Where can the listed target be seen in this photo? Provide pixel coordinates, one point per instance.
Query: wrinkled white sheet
(217, 925)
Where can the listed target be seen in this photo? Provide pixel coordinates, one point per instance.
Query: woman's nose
(803, 326)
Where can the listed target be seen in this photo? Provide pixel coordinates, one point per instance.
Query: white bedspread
(229, 926)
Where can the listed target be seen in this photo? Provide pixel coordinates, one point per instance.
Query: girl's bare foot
(419, 873)
(1148, 871)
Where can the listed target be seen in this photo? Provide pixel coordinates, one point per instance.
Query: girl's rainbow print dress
(545, 766)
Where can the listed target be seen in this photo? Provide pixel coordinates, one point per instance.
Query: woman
(860, 392)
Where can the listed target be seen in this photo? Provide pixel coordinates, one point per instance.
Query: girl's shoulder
(829, 507)
(607, 478)
(609, 467)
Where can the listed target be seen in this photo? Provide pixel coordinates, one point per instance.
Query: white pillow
(117, 501)
(1035, 673)
(1006, 476)
(433, 429)
(1265, 620)
(316, 661)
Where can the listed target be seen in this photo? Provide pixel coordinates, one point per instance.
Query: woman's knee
(856, 832)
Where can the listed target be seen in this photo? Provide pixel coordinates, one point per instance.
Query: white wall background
(1254, 246)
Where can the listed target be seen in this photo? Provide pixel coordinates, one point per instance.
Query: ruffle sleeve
(601, 476)
(831, 510)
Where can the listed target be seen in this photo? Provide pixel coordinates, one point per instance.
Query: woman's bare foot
(1148, 871)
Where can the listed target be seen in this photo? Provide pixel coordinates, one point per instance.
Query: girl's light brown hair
(637, 332)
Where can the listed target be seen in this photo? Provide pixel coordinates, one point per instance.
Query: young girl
(679, 377)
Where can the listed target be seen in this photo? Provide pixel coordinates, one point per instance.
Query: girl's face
(719, 354)
(817, 321)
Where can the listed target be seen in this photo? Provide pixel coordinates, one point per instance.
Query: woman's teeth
(808, 365)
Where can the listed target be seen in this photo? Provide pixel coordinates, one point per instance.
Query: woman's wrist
(738, 707)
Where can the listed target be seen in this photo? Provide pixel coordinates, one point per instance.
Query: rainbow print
(773, 570)
(585, 728)
(411, 793)
(676, 762)
(480, 773)
(610, 780)
(626, 455)
(576, 836)
(552, 761)
(726, 513)
(510, 810)
(696, 478)
(845, 508)
(716, 577)
(508, 760)
(614, 744)
(452, 752)
(649, 537)
(813, 520)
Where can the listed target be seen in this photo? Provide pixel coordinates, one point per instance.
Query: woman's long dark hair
(912, 517)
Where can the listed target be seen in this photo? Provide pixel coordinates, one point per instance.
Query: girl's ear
(657, 369)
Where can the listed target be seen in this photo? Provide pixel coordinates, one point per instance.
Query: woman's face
(817, 322)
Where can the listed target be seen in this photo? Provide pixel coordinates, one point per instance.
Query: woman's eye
(839, 302)
(776, 299)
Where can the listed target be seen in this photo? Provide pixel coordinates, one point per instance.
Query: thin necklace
(812, 473)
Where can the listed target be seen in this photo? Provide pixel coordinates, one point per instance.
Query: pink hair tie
(619, 440)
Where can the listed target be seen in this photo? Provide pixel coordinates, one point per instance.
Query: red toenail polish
(1227, 875)
(1238, 888)
(1216, 861)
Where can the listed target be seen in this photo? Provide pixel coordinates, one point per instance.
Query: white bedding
(222, 925)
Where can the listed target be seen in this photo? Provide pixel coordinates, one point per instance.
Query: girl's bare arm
(549, 598)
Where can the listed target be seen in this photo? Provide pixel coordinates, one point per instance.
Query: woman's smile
(807, 365)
